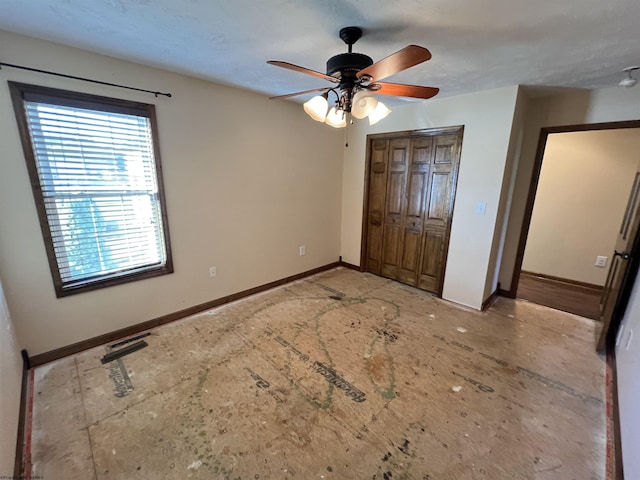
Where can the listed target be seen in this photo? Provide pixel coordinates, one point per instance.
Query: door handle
(622, 255)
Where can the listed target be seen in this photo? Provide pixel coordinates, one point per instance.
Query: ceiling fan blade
(396, 62)
(297, 68)
(400, 90)
(279, 97)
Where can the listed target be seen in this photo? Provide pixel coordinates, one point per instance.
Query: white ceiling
(476, 44)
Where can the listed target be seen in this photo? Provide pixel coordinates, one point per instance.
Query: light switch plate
(601, 261)
(481, 208)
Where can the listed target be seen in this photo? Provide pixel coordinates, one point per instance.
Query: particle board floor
(342, 375)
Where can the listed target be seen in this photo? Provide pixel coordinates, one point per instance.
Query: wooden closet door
(411, 186)
(398, 166)
(439, 209)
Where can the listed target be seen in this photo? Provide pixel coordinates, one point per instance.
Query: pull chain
(346, 131)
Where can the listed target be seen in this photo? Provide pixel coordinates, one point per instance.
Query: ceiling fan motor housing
(347, 64)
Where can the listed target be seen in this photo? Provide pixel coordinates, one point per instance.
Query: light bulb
(336, 118)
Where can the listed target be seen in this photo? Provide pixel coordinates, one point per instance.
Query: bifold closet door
(438, 210)
(410, 199)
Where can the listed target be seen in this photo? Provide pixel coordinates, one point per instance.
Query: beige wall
(10, 385)
(559, 107)
(487, 118)
(247, 180)
(582, 193)
(506, 197)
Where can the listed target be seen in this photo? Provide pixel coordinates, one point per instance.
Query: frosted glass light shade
(628, 82)
(378, 113)
(316, 108)
(336, 118)
(363, 104)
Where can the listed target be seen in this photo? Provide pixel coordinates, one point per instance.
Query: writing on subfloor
(333, 378)
(122, 382)
(262, 383)
(329, 374)
(548, 382)
(302, 356)
(481, 386)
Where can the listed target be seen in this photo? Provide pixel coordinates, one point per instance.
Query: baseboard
(506, 293)
(72, 349)
(563, 280)
(492, 298)
(350, 265)
(617, 438)
(18, 465)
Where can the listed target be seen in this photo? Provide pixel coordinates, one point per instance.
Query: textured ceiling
(476, 45)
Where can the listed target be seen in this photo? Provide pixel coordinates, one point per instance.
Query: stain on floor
(386, 383)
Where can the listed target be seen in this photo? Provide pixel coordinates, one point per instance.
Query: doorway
(410, 183)
(558, 252)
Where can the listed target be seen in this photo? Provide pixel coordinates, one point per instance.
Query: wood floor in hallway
(342, 375)
(576, 299)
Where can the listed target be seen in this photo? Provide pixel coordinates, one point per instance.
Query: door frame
(533, 186)
(454, 130)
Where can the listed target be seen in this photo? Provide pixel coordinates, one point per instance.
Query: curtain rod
(47, 72)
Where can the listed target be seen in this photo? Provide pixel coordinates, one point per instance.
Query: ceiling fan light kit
(356, 77)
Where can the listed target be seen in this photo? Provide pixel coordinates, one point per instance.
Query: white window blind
(99, 187)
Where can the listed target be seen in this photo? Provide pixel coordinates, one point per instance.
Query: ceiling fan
(355, 76)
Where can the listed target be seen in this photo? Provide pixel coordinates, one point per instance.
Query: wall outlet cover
(601, 261)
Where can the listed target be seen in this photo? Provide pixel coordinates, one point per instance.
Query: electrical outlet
(303, 250)
(213, 272)
(601, 261)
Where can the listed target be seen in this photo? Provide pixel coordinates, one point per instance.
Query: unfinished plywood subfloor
(343, 375)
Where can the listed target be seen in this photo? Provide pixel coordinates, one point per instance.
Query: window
(95, 170)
